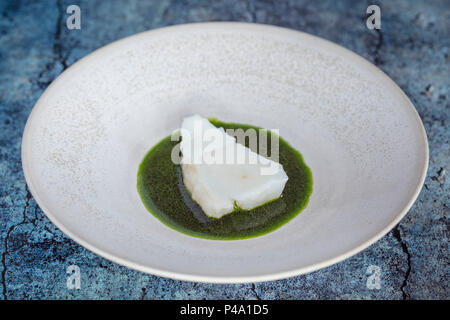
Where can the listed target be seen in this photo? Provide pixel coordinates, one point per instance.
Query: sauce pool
(160, 185)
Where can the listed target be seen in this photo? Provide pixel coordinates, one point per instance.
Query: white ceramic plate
(358, 132)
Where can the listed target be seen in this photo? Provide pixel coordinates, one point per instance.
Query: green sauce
(160, 185)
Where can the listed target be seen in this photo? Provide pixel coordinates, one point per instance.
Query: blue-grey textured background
(36, 46)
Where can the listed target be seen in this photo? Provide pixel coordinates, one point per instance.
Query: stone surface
(412, 48)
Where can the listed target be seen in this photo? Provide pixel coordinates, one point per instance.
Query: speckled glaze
(87, 134)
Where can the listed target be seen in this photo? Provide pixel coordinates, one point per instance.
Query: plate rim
(223, 279)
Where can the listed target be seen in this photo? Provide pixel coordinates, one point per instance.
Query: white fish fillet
(217, 186)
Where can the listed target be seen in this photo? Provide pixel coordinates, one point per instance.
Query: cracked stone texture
(412, 48)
